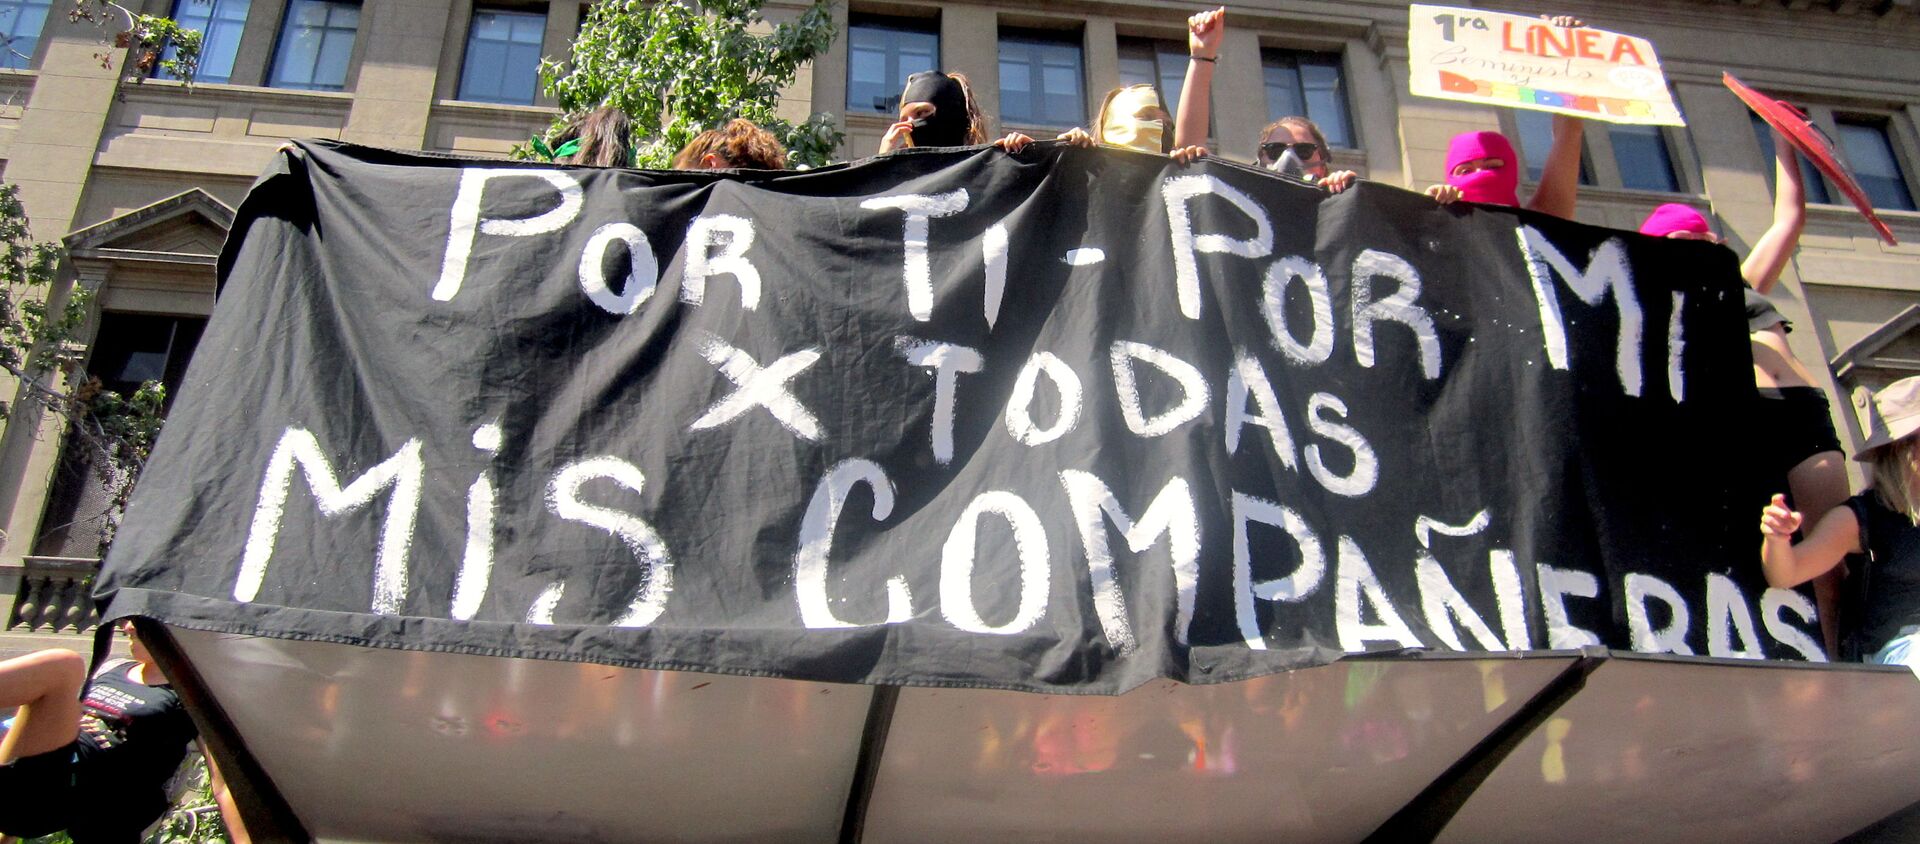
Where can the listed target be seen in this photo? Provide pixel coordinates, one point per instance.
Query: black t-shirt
(1892, 587)
(133, 738)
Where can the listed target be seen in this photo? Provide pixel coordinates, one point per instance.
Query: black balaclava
(948, 125)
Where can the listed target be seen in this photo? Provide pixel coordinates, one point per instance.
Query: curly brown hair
(739, 143)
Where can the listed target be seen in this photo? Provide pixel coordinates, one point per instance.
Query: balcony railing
(53, 594)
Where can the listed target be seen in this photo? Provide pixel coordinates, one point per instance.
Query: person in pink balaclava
(1802, 444)
(1483, 167)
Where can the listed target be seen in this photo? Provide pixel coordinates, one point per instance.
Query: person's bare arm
(1205, 31)
(223, 798)
(1559, 189)
(1788, 564)
(1772, 251)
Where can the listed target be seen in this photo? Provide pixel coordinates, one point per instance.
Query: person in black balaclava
(938, 110)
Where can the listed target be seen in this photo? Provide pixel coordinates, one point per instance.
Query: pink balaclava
(1674, 217)
(1498, 186)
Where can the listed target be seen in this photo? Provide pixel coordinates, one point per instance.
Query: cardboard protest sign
(1515, 61)
(1067, 420)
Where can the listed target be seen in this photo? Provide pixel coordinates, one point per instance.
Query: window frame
(1600, 166)
(1334, 56)
(928, 26)
(541, 12)
(352, 73)
(1891, 117)
(1154, 46)
(240, 38)
(1889, 129)
(39, 51)
(1032, 36)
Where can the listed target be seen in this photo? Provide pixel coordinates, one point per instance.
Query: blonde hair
(1100, 119)
(1893, 479)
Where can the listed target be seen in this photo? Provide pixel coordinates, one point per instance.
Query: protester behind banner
(1796, 446)
(938, 109)
(739, 144)
(96, 766)
(1484, 167)
(602, 137)
(1134, 117)
(1292, 145)
(954, 418)
(1882, 523)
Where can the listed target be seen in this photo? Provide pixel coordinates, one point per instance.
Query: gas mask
(1289, 164)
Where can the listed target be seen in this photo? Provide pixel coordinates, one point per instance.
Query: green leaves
(39, 326)
(147, 36)
(680, 68)
(153, 34)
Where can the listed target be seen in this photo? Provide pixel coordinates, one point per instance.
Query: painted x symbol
(758, 386)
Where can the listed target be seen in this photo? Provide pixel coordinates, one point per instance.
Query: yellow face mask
(1123, 129)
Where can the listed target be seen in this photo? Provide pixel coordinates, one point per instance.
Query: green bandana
(550, 153)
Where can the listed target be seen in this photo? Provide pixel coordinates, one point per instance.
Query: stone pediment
(186, 228)
(1887, 353)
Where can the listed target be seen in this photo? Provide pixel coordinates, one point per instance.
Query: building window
(1162, 64)
(1816, 187)
(219, 23)
(503, 57)
(132, 349)
(1309, 84)
(20, 23)
(1536, 139)
(1040, 80)
(315, 46)
(1644, 160)
(1869, 152)
(881, 54)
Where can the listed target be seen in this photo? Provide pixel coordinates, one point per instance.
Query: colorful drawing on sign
(1514, 61)
(1812, 143)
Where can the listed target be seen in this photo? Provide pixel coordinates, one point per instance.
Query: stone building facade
(139, 180)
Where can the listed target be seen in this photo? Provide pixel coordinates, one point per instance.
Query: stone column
(398, 66)
(1100, 44)
(50, 159)
(1239, 95)
(970, 44)
(563, 23)
(1373, 98)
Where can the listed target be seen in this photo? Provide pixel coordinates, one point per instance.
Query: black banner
(1064, 420)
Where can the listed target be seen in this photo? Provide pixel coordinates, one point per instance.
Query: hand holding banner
(1514, 61)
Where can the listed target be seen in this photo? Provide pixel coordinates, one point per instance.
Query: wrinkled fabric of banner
(1066, 420)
